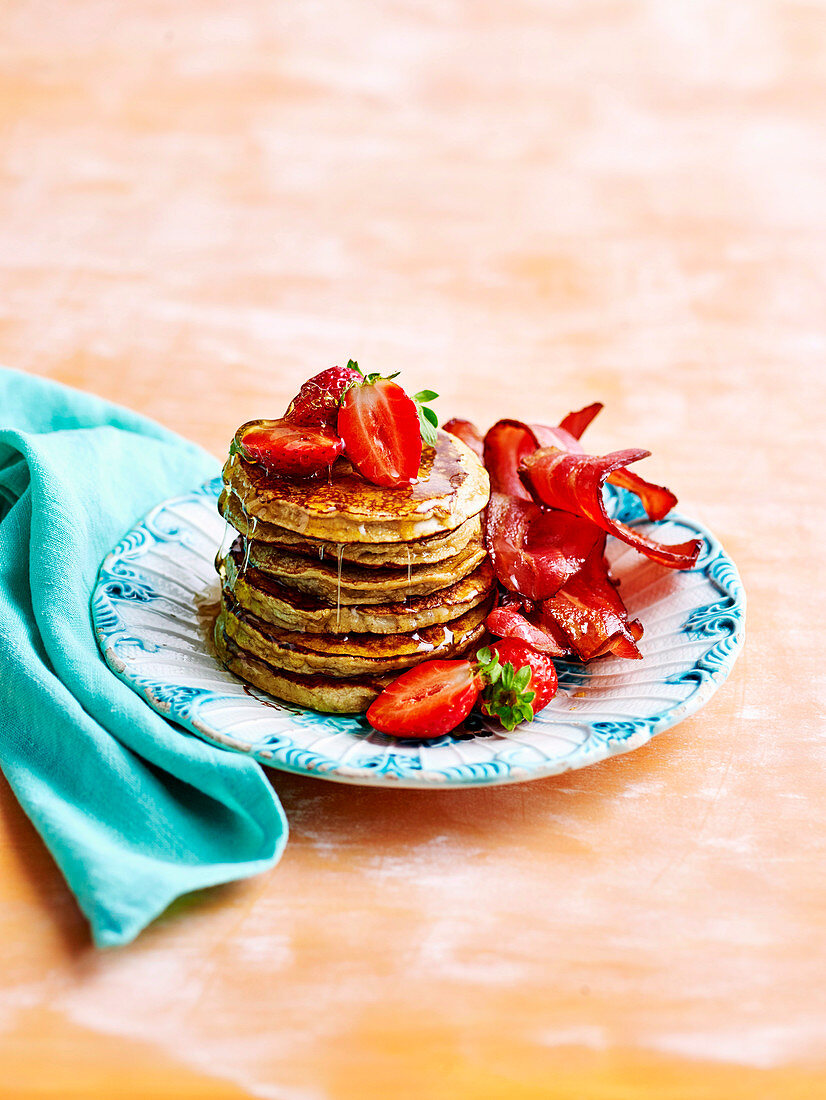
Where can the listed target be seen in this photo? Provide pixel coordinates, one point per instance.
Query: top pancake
(451, 487)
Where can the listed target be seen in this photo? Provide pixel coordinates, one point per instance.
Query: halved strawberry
(316, 403)
(283, 447)
(434, 697)
(427, 700)
(379, 424)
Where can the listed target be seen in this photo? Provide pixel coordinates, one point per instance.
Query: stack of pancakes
(334, 586)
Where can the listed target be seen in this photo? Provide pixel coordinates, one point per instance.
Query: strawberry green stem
(506, 695)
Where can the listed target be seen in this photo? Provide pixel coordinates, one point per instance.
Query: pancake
(284, 607)
(351, 695)
(332, 582)
(338, 655)
(452, 486)
(422, 551)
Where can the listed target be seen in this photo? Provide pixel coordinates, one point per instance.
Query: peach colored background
(527, 206)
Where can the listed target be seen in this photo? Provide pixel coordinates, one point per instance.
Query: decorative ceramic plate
(157, 595)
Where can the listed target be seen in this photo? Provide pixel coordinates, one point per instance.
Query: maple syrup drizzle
(250, 523)
(339, 556)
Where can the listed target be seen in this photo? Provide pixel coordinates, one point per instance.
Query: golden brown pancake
(451, 487)
(325, 693)
(340, 655)
(262, 595)
(337, 585)
(335, 582)
(422, 551)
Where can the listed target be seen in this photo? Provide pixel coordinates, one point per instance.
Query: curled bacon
(586, 618)
(508, 442)
(655, 499)
(590, 613)
(510, 622)
(535, 550)
(573, 483)
(545, 531)
(468, 433)
(575, 423)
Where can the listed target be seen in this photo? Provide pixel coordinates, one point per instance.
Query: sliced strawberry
(318, 399)
(543, 682)
(427, 701)
(294, 450)
(379, 424)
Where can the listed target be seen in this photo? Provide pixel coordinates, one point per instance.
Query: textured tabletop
(527, 207)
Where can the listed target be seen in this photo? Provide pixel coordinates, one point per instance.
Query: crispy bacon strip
(468, 433)
(535, 550)
(587, 618)
(510, 622)
(508, 442)
(655, 499)
(573, 483)
(575, 423)
(590, 613)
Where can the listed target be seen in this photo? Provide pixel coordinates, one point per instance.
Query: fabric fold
(135, 811)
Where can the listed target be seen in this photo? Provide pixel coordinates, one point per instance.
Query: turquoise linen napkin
(134, 810)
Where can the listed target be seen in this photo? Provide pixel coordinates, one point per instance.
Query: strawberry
(380, 427)
(316, 403)
(283, 447)
(433, 698)
(426, 701)
(518, 655)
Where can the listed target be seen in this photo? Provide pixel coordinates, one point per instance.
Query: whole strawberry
(434, 697)
(316, 404)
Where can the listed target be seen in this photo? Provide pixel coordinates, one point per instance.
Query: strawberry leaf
(522, 679)
(376, 376)
(428, 420)
(507, 695)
